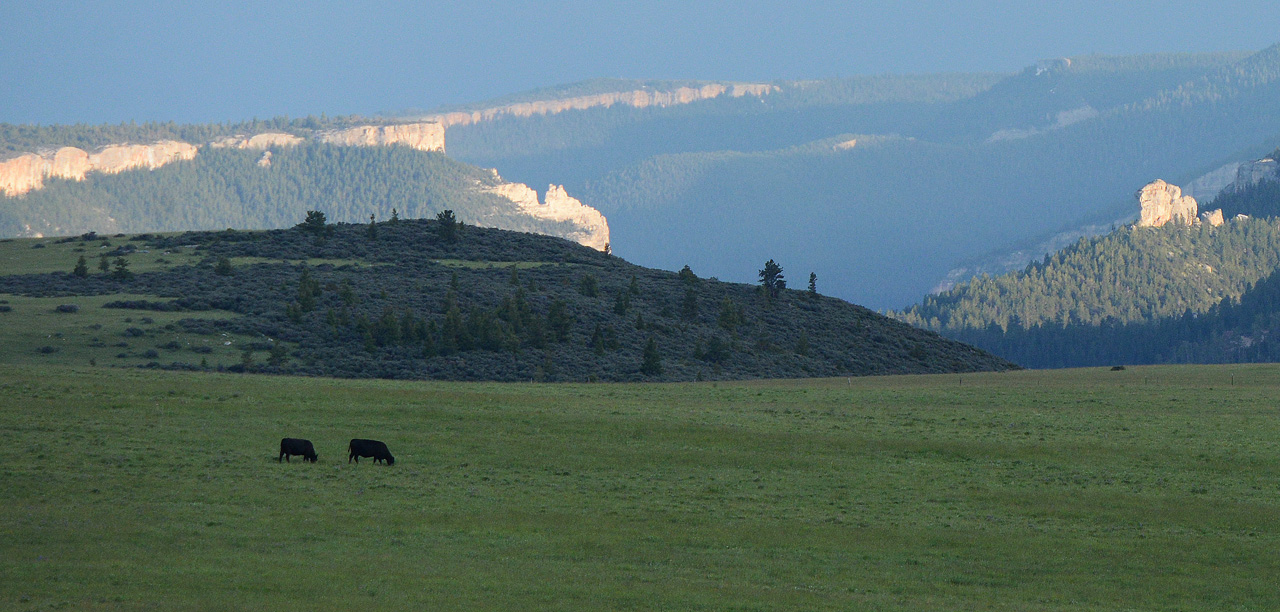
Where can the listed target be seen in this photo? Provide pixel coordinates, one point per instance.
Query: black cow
(369, 448)
(297, 446)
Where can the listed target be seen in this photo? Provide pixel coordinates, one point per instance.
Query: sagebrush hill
(430, 299)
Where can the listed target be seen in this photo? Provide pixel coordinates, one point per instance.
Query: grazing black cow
(297, 446)
(369, 448)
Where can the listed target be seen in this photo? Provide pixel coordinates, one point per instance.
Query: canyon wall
(423, 136)
(639, 98)
(264, 140)
(589, 227)
(28, 171)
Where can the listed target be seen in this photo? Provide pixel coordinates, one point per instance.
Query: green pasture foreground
(1144, 489)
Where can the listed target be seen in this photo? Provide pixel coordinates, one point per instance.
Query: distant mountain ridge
(944, 170)
(968, 166)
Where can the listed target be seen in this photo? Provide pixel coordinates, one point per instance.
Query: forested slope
(1134, 274)
(1172, 294)
(225, 187)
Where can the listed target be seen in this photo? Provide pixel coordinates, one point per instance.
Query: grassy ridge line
(1014, 491)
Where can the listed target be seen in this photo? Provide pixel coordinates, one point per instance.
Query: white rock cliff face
(590, 227)
(23, 173)
(1162, 203)
(639, 98)
(1212, 217)
(266, 140)
(28, 171)
(423, 136)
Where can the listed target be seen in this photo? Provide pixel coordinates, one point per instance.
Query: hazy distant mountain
(883, 186)
(947, 168)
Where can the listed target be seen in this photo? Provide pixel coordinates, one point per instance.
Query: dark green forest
(1240, 330)
(419, 299)
(21, 138)
(225, 187)
(1135, 274)
(1136, 296)
(25, 138)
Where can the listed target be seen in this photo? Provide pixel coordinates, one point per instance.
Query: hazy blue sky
(86, 61)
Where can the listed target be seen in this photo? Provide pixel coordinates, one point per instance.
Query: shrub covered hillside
(436, 299)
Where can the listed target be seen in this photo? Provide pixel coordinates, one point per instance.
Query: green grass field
(1144, 489)
(45, 255)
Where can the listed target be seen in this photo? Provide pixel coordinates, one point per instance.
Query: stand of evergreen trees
(1136, 296)
(1135, 274)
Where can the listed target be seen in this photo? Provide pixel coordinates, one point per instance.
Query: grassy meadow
(1143, 489)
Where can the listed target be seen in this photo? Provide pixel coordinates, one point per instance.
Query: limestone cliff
(1212, 217)
(28, 171)
(265, 140)
(23, 173)
(588, 226)
(1162, 203)
(1253, 172)
(423, 136)
(639, 98)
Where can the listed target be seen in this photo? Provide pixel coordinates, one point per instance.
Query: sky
(108, 62)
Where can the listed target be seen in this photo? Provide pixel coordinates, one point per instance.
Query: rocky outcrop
(1251, 173)
(1212, 217)
(639, 98)
(423, 136)
(1163, 203)
(589, 227)
(29, 171)
(1207, 186)
(265, 140)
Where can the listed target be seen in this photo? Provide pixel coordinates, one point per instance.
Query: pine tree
(316, 224)
(122, 269)
(82, 267)
(651, 360)
(689, 306)
(278, 355)
(771, 278)
(448, 226)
